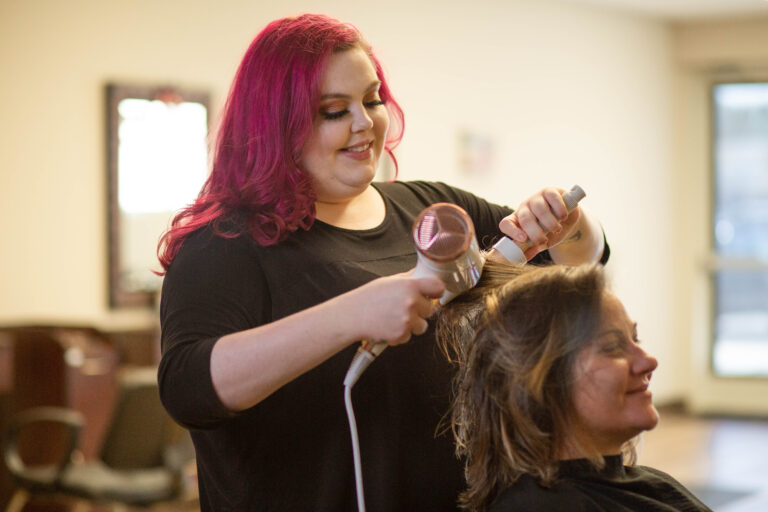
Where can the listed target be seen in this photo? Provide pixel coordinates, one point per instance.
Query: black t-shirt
(615, 488)
(292, 451)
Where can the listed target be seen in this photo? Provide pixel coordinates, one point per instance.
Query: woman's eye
(338, 114)
(614, 347)
(375, 103)
(335, 115)
(611, 348)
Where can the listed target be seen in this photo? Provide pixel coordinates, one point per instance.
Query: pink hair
(265, 123)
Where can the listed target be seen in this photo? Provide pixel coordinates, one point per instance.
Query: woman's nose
(644, 362)
(361, 121)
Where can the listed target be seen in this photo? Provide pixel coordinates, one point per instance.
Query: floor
(724, 461)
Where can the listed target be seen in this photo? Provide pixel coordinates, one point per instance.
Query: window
(740, 227)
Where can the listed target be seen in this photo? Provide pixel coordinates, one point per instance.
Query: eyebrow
(617, 332)
(335, 95)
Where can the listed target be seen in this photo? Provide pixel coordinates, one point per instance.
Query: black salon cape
(615, 488)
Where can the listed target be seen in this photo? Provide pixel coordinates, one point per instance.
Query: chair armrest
(69, 418)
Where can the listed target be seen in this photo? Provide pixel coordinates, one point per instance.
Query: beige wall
(564, 94)
(723, 45)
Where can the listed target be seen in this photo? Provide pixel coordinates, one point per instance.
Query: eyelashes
(330, 116)
(614, 348)
(618, 346)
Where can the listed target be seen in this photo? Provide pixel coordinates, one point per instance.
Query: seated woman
(552, 389)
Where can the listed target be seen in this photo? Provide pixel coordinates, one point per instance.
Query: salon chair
(139, 463)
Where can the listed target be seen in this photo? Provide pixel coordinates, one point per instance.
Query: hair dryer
(446, 247)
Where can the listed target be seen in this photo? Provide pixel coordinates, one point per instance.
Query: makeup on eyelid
(338, 114)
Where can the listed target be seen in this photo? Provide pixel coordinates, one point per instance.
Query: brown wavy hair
(515, 337)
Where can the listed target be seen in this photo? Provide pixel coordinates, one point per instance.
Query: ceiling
(685, 10)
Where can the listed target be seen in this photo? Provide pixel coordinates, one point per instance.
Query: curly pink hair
(265, 123)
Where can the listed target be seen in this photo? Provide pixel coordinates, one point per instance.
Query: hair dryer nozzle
(443, 232)
(447, 248)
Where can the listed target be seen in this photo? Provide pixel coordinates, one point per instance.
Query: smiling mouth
(358, 149)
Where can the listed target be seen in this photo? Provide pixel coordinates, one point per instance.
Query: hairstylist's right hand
(390, 309)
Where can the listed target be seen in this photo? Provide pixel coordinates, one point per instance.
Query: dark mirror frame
(115, 93)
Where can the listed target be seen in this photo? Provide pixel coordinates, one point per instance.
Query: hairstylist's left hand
(541, 220)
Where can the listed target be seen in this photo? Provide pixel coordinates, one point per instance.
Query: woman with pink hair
(292, 254)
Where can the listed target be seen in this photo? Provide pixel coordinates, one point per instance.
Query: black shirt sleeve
(203, 299)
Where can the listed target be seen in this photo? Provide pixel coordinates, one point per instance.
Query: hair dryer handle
(369, 350)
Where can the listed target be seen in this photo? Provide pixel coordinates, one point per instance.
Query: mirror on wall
(157, 162)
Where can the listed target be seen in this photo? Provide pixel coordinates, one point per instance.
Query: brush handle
(514, 252)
